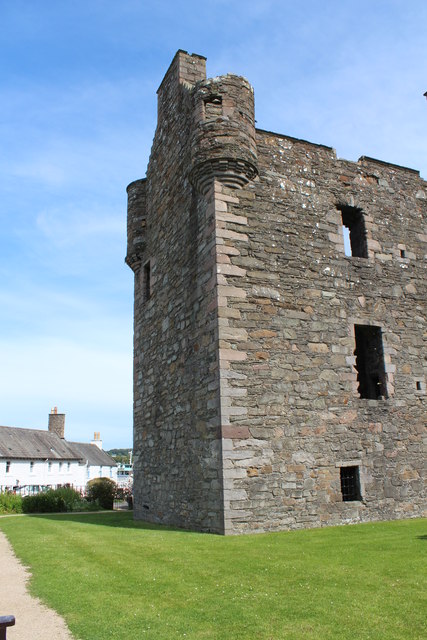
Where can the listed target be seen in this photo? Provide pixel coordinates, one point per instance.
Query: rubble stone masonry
(252, 401)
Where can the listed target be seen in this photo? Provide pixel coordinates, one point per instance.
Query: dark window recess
(213, 107)
(402, 253)
(370, 362)
(147, 281)
(419, 387)
(354, 231)
(350, 484)
(7, 466)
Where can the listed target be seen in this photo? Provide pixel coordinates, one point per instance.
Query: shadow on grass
(118, 519)
(424, 537)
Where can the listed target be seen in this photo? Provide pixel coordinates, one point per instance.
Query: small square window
(213, 107)
(350, 484)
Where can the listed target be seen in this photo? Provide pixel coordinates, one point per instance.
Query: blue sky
(77, 115)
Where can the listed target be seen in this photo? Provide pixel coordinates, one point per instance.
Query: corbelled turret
(136, 223)
(223, 140)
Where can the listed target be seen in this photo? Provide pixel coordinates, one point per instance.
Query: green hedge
(10, 503)
(45, 502)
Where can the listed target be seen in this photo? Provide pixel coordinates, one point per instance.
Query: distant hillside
(120, 455)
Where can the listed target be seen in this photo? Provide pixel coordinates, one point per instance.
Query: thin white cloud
(64, 228)
(40, 373)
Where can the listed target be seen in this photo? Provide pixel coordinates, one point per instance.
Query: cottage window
(31, 466)
(350, 484)
(7, 466)
(370, 362)
(354, 232)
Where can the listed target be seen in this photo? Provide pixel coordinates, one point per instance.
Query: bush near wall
(101, 490)
(45, 502)
(10, 503)
(73, 499)
(57, 500)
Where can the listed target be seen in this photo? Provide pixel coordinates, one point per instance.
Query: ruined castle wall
(177, 444)
(255, 334)
(294, 416)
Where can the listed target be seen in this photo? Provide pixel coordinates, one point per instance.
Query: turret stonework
(279, 326)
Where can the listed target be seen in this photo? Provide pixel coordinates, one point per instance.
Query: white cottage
(32, 460)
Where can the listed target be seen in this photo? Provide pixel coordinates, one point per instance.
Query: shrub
(10, 503)
(45, 502)
(73, 499)
(102, 490)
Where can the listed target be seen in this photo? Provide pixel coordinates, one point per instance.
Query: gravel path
(34, 621)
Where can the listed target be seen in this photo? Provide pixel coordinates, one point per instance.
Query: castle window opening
(370, 362)
(350, 484)
(213, 107)
(147, 281)
(402, 253)
(419, 386)
(354, 232)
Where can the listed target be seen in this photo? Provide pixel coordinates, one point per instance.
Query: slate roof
(34, 444)
(93, 454)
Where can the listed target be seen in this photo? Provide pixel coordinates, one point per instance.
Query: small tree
(102, 490)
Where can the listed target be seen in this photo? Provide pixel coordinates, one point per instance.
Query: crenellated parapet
(136, 223)
(223, 138)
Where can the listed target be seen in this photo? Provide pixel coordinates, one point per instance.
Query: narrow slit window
(402, 253)
(147, 281)
(7, 466)
(354, 232)
(370, 362)
(350, 484)
(419, 386)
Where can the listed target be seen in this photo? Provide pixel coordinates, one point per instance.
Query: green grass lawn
(112, 578)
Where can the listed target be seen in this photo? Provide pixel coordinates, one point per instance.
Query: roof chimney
(57, 422)
(97, 440)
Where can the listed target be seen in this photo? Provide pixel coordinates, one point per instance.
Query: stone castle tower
(280, 322)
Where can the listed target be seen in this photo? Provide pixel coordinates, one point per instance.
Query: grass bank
(113, 578)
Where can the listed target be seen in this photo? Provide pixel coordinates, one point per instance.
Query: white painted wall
(50, 473)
